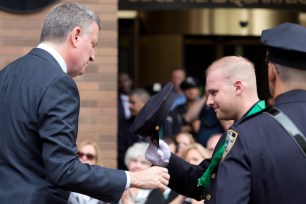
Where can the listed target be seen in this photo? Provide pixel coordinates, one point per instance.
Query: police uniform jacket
(264, 164)
(184, 176)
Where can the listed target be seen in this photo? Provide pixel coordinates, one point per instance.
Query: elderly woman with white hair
(135, 161)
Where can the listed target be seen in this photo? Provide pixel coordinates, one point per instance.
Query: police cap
(149, 121)
(286, 45)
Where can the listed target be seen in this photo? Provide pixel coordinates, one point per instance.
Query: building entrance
(201, 51)
(154, 42)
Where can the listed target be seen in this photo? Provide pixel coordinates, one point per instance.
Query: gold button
(213, 175)
(208, 197)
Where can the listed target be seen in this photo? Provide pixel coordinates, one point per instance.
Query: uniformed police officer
(232, 93)
(264, 160)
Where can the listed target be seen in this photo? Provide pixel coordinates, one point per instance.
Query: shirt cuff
(128, 180)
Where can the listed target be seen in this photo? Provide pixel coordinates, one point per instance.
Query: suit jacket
(125, 140)
(124, 137)
(39, 108)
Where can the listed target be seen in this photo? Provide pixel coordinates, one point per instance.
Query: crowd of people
(192, 139)
(185, 129)
(241, 167)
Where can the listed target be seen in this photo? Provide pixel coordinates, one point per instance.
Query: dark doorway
(201, 51)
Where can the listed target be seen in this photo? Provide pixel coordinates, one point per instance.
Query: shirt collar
(258, 106)
(55, 54)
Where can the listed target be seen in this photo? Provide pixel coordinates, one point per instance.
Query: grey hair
(141, 93)
(63, 18)
(138, 150)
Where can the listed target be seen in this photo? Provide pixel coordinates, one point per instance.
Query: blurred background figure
(183, 140)
(178, 75)
(88, 154)
(172, 143)
(125, 84)
(137, 99)
(194, 154)
(135, 161)
(212, 142)
(154, 88)
(209, 123)
(175, 122)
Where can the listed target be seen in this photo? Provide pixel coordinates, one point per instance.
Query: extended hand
(151, 178)
(158, 156)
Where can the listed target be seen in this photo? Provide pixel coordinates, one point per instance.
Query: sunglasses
(88, 156)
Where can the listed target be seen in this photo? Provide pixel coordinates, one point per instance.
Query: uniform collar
(290, 97)
(260, 105)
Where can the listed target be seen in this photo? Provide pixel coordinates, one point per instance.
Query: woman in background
(88, 154)
(135, 161)
(194, 154)
(183, 140)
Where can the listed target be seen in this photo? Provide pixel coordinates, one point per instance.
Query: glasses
(88, 156)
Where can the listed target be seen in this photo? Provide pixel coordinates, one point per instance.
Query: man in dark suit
(137, 99)
(124, 114)
(39, 108)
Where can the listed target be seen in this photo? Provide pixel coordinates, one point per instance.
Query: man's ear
(238, 86)
(75, 35)
(271, 72)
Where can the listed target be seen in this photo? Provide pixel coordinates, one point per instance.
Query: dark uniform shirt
(184, 176)
(264, 164)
